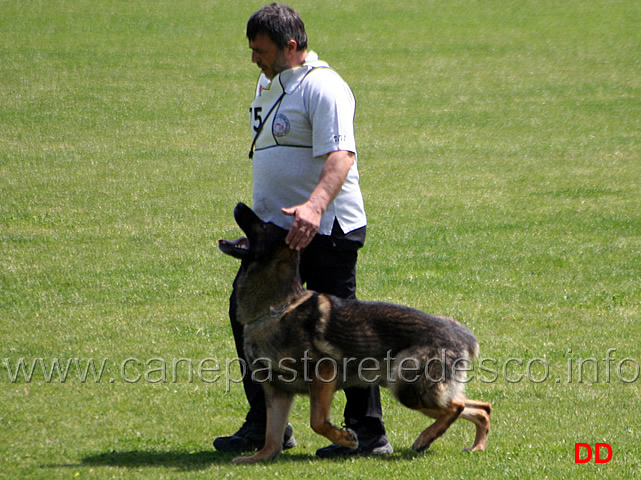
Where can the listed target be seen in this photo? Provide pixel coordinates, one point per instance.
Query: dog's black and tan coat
(302, 342)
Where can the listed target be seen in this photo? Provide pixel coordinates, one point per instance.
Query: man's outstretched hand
(307, 220)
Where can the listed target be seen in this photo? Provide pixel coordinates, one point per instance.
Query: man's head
(280, 23)
(277, 37)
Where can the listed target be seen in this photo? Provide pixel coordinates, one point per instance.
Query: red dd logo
(587, 453)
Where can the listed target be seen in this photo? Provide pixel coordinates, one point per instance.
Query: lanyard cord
(262, 124)
(280, 99)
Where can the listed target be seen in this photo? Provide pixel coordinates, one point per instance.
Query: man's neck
(298, 58)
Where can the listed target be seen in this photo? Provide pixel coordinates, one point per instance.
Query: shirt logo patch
(281, 125)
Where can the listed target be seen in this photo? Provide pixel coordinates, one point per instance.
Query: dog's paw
(475, 448)
(246, 460)
(420, 445)
(352, 439)
(258, 457)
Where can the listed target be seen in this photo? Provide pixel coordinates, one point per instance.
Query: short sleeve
(331, 108)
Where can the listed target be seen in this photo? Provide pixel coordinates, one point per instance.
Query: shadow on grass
(185, 460)
(179, 459)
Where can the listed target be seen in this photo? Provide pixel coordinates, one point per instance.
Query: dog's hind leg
(444, 418)
(321, 394)
(278, 405)
(479, 414)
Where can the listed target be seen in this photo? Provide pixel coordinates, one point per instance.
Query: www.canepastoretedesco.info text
(604, 368)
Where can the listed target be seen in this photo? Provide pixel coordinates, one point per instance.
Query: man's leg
(330, 270)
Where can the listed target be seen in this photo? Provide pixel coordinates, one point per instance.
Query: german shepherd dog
(302, 342)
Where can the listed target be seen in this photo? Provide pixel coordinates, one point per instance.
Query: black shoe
(251, 437)
(368, 444)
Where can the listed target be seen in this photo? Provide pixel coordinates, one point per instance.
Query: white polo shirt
(314, 117)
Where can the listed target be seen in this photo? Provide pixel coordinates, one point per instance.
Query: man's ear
(292, 46)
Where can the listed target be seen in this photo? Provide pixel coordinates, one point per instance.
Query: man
(306, 181)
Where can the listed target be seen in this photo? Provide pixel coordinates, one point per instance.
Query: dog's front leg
(278, 406)
(321, 392)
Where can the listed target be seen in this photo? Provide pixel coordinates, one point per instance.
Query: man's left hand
(307, 220)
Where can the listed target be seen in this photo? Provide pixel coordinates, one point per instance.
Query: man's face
(268, 56)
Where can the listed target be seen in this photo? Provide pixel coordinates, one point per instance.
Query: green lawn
(500, 157)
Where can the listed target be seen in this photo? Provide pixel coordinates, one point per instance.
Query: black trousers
(331, 269)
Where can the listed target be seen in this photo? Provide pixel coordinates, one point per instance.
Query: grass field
(500, 157)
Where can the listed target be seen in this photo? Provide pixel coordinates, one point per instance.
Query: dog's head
(269, 269)
(261, 238)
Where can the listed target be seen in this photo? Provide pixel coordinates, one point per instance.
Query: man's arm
(308, 215)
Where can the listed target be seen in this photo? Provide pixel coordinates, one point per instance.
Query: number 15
(258, 119)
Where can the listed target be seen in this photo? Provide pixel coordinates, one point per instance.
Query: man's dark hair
(280, 23)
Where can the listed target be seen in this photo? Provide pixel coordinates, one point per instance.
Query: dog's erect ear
(246, 219)
(249, 222)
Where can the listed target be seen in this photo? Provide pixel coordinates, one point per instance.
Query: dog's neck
(266, 291)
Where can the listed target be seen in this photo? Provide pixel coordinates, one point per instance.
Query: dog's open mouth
(236, 247)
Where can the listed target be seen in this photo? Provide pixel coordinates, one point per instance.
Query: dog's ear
(248, 221)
